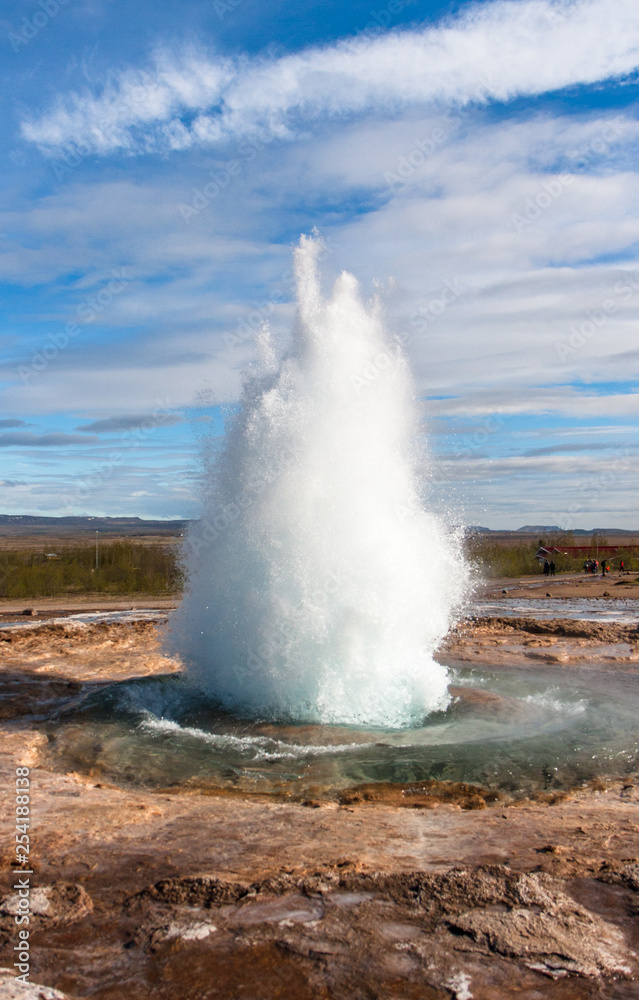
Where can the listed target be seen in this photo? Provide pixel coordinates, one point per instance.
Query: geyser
(318, 583)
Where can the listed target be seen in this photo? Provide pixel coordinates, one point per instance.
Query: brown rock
(53, 905)
(567, 939)
(540, 924)
(12, 990)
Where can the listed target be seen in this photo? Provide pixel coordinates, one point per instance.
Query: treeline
(495, 559)
(123, 568)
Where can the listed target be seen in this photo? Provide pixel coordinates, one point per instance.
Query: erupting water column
(318, 587)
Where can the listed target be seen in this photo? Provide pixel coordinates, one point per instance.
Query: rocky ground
(517, 641)
(389, 892)
(565, 586)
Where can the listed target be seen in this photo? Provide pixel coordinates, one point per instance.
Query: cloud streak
(23, 439)
(125, 423)
(492, 51)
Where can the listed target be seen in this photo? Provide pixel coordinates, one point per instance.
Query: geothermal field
(343, 764)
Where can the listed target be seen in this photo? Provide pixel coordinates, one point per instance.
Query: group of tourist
(592, 566)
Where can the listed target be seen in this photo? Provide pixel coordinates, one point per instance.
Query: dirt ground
(47, 607)
(569, 585)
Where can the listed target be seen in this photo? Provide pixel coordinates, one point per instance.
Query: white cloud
(492, 51)
(492, 351)
(449, 220)
(515, 399)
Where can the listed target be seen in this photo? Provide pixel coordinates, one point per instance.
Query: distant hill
(21, 525)
(537, 531)
(534, 529)
(530, 529)
(29, 524)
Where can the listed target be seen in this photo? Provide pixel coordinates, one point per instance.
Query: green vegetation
(495, 559)
(499, 558)
(133, 568)
(123, 568)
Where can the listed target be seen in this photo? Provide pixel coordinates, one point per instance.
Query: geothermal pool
(515, 731)
(320, 582)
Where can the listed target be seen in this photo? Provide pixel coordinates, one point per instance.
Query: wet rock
(488, 704)
(489, 909)
(599, 631)
(547, 657)
(420, 795)
(287, 909)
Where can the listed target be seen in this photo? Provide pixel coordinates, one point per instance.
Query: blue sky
(476, 160)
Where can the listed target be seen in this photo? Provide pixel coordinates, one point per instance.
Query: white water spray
(318, 586)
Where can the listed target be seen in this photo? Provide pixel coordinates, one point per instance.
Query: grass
(126, 567)
(496, 559)
(123, 568)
